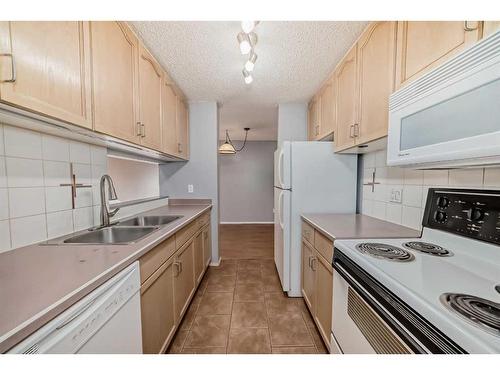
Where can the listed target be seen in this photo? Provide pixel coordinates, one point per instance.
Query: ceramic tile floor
(240, 308)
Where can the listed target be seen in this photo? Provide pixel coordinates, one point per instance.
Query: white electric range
(439, 293)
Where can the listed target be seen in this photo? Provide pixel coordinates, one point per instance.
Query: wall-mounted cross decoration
(372, 183)
(74, 185)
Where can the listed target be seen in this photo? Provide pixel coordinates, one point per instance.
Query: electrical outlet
(190, 188)
(396, 195)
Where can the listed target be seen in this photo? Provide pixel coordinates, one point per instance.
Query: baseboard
(215, 264)
(245, 222)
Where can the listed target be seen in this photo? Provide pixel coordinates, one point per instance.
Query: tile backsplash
(414, 185)
(33, 205)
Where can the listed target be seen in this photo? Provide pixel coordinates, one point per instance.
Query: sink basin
(111, 235)
(144, 221)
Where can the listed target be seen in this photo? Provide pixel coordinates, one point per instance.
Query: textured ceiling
(294, 58)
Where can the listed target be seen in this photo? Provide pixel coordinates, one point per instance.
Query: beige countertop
(341, 226)
(38, 282)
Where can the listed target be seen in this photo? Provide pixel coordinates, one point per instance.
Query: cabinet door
(169, 117)
(324, 295)
(422, 45)
(308, 276)
(207, 245)
(347, 98)
(49, 66)
(115, 80)
(489, 27)
(150, 88)
(376, 64)
(182, 129)
(199, 261)
(157, 309)
(184, 278)
(328, 109)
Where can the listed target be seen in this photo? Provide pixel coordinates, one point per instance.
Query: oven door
(368, 318)
(356, 326)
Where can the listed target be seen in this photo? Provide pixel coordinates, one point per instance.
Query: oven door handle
(378, 306)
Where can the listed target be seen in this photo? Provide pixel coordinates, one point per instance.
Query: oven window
(472, 113)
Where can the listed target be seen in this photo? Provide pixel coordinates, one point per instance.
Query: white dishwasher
(108, 320)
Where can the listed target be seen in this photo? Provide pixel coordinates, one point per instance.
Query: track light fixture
(244, 42)
(250, 64)
(247, 40)
(248, 77)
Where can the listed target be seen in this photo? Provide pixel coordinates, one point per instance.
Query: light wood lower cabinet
(207, 245)
(169, 278)
(317, 281)
(45, 68)
(115, 80)
(324, 295)
(308, 275)
(157, 309)
(184, 282)
(199, 261)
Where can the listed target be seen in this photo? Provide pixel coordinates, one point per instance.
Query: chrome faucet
(106, 213)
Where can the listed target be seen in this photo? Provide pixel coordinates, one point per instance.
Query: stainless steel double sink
(121, 233)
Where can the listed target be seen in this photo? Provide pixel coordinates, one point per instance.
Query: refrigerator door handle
(280, 167)
(280, 209)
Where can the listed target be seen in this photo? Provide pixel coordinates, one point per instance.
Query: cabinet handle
(178, 268)
(317, 129)
(143, 130)
(180, 264)
(468, 28)
(314, 259)
(179, 147)
(356, 130)
(310, 261)
(139, 133)
(13, 75)
(351, 131)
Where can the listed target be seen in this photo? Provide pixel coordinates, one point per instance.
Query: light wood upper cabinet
(115, 80)
(489, 27)
(51, 61)
(150, 100)
(157, 309)
(422, 45)
(169, 119)
(327, 109)
(376, 65)
(184, 277)
(347, 100)
(182, 129)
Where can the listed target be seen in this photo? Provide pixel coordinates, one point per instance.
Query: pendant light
(227, 147)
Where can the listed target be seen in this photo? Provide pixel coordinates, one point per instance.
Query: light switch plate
(190, 188)
(396, 195)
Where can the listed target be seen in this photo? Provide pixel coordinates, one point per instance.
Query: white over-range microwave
(450, 117)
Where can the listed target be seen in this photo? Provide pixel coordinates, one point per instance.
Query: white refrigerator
(308, 178)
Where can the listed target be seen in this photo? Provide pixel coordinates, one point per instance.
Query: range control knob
(474, 214)
(440, 217)
(443, 202)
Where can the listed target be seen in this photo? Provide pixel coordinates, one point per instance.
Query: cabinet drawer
(185, 234)
(203, 219)
(308, 232)
(323, 245)
(152, 260)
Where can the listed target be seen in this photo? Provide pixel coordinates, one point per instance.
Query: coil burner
(384, 251)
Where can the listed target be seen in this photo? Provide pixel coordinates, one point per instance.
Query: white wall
(134, 179)
(292, 122)
(246, 183)
(415, 184)
(33, 207)
(201, 169)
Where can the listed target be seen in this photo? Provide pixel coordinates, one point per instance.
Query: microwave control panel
(470, 213)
